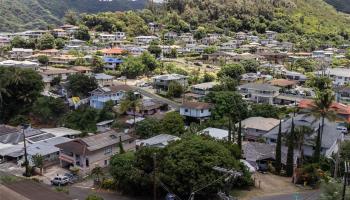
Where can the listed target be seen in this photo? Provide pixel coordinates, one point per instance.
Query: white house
(259, 93)
(145, 40)
(198, 110)
(340, 76)
(219, 134)
(20, 53)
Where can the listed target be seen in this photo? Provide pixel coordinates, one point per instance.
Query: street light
(26, 163)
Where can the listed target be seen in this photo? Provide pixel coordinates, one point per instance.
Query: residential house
(104, 80)
(120, 36)
(4, 41)
(339, 76)
(32, 34)
(271, 35)
(82, 70)
(199, 91)
(254, 128)
(161, 82)
(112, 52)
(330, 138)
(50, 52)
(171, 35)
(216, 133)
(283, 83)
(259, 93)
(104, 125)
(145, 40)
(49, 74)
(148, 107)
(134, 50)
(62, 60)
(342, 111)
(195, 110)
(187, 38)
(292, 75)
(20, 64)
(102, 95)
(59, 33)
(159, 141)
(20, 53)
(260, 154)
(112, 63)
(342, 95)
(93, 151)
(154, 27)
(241, 36)
(103, 37)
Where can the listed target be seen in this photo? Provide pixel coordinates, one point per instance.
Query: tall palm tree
(321, 109)
(300, 134)
(132, 102)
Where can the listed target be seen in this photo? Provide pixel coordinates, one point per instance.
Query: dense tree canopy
(80, 85)
(19, 89)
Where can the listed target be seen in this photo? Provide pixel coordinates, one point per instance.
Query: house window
(87, 162)
(106, 162)
(186, 110)
(108, 150)
(202, 110)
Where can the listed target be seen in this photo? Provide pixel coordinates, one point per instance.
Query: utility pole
(26, 173)
(346, 171)
(336, 164)
(154, 176)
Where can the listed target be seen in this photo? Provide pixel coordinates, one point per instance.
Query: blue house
(101, 95)
(112, 63)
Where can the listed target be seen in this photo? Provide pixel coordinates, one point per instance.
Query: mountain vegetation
(25, 14)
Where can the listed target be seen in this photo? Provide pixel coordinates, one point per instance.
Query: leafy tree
(132, 67)
(208, 77)
(229, 105)
(106, 113)
(48, 109)
(149, 61)
(333, 190)
(319, 83)
(19, 88)
(18, 42)
(97, 173)
(47, 41)
(43, 59)
(307, 65)
(82, 33)
(290, 153)
(210, 50)
(71, 17)
(60, 43)
(155, 50)
(233, 71)
(345, 150)
(148, 128)
(278, 162)
(93, 197)
(83, 119)
(132, 102)
(250, 65)
(175, 89)
(264, 110)
(80, 85)
(173, 124)
(200, 33)
(38, 161)
(97, 64)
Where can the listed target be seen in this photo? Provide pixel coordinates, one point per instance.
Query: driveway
(312, 195)
(12, 168)
(272, 186)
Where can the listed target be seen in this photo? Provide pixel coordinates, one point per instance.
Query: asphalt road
(78, 193)
(312, 195)
(146, 93)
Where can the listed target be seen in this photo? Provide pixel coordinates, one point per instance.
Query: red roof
(112, 51)
(339, 108)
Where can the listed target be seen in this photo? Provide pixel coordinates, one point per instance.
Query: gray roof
(260, 123)
(330, 135)
(259, 86)
(103, 76)
(161, 140)
(13, 135)
(105, 139)
(254, 151)
(46, 147)
(169, 77)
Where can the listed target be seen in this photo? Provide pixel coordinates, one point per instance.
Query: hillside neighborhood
(171, 114)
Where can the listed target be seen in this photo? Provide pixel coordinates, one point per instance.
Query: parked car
(72, 178)
(60, 180)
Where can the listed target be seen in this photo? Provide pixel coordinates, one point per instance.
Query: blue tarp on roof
(112, 60)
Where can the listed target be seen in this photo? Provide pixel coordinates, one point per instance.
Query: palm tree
(278, 163)
(300, 133)
(131, 101)
(321, 109)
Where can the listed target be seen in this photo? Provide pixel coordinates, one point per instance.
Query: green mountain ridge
(17, 15)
